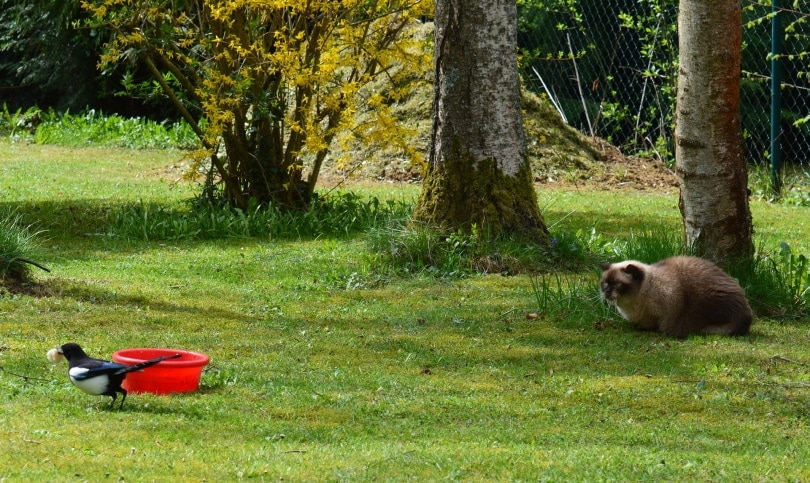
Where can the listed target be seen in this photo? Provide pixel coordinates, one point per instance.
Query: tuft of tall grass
(405, 247)
(574, 297)
(795, 271)
(569, 297)
(18, 246)
(777, 283)
(409, 247)
(650, 246)
(795, 184)
(336, 215)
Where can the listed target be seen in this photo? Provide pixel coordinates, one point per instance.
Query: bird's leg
(123, 398)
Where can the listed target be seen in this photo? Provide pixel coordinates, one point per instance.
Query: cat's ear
(636, 272)
(604, 266)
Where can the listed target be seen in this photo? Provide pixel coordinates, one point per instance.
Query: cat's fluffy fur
(677, 296)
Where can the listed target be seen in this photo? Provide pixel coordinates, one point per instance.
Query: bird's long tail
(150, 362)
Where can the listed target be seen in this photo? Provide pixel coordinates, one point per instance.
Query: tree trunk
(708, 136)
(478, 171)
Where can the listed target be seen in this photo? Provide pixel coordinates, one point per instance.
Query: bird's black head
(71, 350)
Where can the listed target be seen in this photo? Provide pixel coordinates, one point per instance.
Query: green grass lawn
(322, 371)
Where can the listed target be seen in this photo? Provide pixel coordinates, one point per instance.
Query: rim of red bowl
(187, 359)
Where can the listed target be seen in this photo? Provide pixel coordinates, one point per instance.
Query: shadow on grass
(84, 218)
(64, 218)
(95, 295)
(338, 215)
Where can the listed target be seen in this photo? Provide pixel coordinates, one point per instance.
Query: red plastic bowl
(173, 375)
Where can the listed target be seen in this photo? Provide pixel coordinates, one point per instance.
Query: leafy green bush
(95, 128)
(45, 60)
(628, 48)
(19, 125)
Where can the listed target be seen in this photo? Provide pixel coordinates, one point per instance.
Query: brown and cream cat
(677, 296)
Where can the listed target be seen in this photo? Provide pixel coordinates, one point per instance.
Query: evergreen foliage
(44, 60)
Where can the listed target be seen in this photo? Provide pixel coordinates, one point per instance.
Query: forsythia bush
(269, 86)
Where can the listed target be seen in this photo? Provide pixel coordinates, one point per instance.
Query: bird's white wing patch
(77, 371)
(93, 385)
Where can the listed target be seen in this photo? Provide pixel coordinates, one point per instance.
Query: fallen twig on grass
(778, 357)
(22, 376)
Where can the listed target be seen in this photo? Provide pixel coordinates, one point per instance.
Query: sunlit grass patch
(327, 366)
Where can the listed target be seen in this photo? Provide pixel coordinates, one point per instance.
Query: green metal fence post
(777, 35)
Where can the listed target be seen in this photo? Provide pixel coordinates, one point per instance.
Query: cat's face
(620, 280)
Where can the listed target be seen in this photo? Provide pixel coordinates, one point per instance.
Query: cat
(677, 296)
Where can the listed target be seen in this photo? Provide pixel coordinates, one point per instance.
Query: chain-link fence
(610, 68)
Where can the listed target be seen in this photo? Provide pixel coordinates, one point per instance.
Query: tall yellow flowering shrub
(268, 85)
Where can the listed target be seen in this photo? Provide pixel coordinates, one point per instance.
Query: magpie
(95, 376)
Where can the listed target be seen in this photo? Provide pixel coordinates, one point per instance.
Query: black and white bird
(95, 376)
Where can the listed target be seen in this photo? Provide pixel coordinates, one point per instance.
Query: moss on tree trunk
(459, 193)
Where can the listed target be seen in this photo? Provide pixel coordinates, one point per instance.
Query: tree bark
(478, 171)
(708, 136)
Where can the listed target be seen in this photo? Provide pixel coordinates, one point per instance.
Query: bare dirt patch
(616, 171)
(30, 288)
(561, 156)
